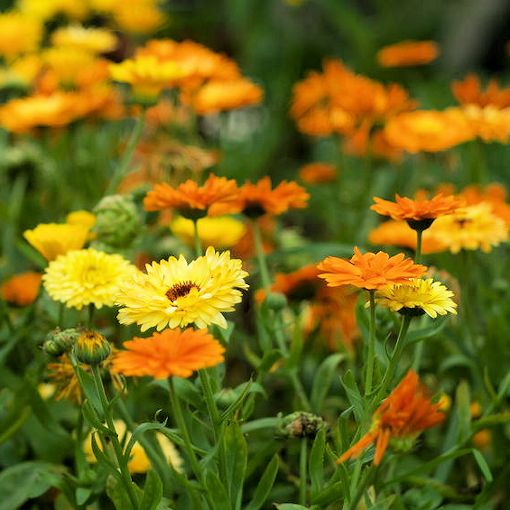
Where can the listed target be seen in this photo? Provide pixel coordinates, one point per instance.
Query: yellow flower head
(474, 227)
(67, 62)
(54, 239)
(138, 16)
(92, 40)
(18, 34)
(84, 277)
(176, 293)
(217, 231)
(138, 461)
(418, 297)
(84, 218)
(44, 10)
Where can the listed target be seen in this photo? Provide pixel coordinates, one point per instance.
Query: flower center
(180, 289)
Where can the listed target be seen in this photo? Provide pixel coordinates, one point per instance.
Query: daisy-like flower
(401, 418)
(215, 197)
(173, 352)
(83, 277)
(54, 239)
(369, 271)
(416, 298)
(21, 289)
(317, 173)
(257, 199)
(470, 92)
(93, 40)
(176, 293)
(408, 53)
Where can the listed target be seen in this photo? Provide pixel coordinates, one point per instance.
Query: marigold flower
(93, 40)
(219, 231)
(171, 353)
(260, 198)
(21, 289)
(402, 416)
(18, 34)
(408, 53)
(81, 217)
(54, 239)
(215, 197)
(50, 8)
(176, 293)
(83, 277)
(369, 270)
(416, 298)
(489, 123)
(137, 16)
(317, 173)
(469, 92)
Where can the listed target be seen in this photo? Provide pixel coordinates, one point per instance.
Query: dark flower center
(180, 289)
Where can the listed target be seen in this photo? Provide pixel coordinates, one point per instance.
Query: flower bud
(301, 424)
(91, 348)
(276, 301)
(59, 341)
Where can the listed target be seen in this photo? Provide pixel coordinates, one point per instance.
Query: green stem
(303, 461)
(261, 257)
(361, 487)
(417, 254)
(6, 317)
(371, 345)
(61, 315)
(123, 166)
(196, 238)
(92, 310)
(117, 448)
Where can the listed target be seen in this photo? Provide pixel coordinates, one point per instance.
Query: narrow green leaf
(354, 395)
(290, 506)
(482, 464)
(236, 458)
(322, 380)
(265, 485)
(316, 464)
(152, 492)
(217, 491)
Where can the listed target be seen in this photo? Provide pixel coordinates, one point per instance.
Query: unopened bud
(276, 301)
(91, 348)
(302, 424)
(59, 341)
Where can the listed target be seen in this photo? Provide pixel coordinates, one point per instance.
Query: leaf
(416, 335)
(117, 493)
(265, 485)
(243, 390)
(330, 494)
(316, 464)
(188, 392)
(27, 480)
(322, 380)
(290, 506)
(261, 423)
(236, 458)
(152, 492)
(463, 401)
(215, 487)
(89, 389)
(482, 464)
(354, 395)
(137, 432)
(13, 421)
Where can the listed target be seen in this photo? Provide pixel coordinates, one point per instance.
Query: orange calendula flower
(469, 91)
(217, 196)
(408, 53)
(369, 271)
(21, 289)
(172, 352)
(401, 418)
(257, 199)
(317, 173)
(489, 123)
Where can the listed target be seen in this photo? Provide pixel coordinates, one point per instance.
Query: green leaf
(331, 494)
(89, 389)
(236, 458)
(137, 432)
(290, 506)
(14, 420)
(264, 485)
(117, 493)
(152, 492)
(354, 395)
(416, 335)
(482, 464)
(26, 481)
(188, 392)
(322, 380)
(316, 464)
(462, 406)
(243, 390)
(217, 490)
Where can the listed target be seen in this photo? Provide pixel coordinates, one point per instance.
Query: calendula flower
(317, 173)
(260, 198)
(400, 419)
(54, 239)
(419, 296)
(93, 40)
(138, 461)
(137, 16)
(48, 9)
(21, 289)
(489, 123)
(83, 277)
(171, 353)
(470, 92)
(83, 218)
(218, 231)
(217, 196)
(18, 34)
(369, 270)
(176, 293)
(474, 227)
(495, 195)
(408, 53)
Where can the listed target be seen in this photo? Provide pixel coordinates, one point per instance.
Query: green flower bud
(117, 223)
(91, 348)
(59, 341)
(301, 424)
(276, 301)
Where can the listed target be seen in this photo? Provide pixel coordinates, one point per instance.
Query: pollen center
(180, 289)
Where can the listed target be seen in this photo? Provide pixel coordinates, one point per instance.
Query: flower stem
(417, 253)
(117, 448)
(261, 257)
(196, 238)
(123, 166)
(92, 309)
(303, 465)
(371, 345)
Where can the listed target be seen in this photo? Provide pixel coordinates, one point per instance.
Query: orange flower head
(257, 199)
(420, 212)
(21, 289)
(402, 416)
(300, 284)
(317, 173)
(408, 53)
(369, 271)
(217, 196)
(173, 352)
(469, 91)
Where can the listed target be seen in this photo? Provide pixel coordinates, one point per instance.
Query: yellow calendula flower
(217, 231)
(67, 62)
(44, 10)
(474, 227)
(138, 16)
(83, 277)
(416, 298)
(54, 239)
(93, 40)
(83, 218)
(18, 34)
(176, 293)
(138, 460)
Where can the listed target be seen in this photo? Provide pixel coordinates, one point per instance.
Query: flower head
(91, 348)
(19, 34)
(369, 270)
(93, 40)
(316, 173)
(403, 415)
(21, 289)
(469, 92)
(408, 53)
(215, 197)
(171, 353)
(83, 277)
(176, 293)
(416, 298)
